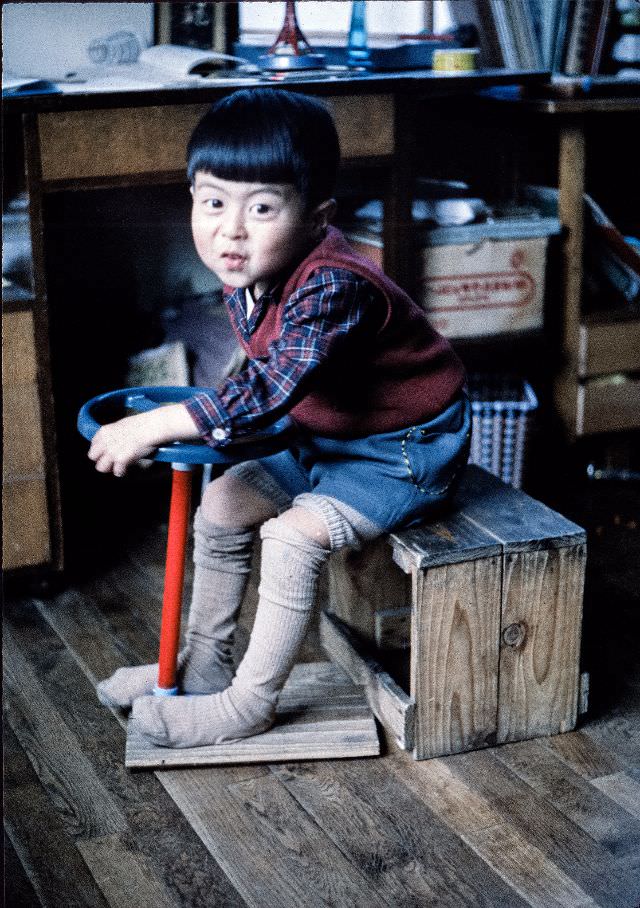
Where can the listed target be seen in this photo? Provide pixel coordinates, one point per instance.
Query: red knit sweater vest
(394, 372)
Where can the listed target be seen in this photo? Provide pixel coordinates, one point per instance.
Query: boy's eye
(212, 203)
(261, 208)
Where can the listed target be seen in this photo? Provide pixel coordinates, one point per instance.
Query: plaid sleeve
(330, 309)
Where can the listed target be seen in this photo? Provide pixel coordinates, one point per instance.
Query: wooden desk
(84, 141)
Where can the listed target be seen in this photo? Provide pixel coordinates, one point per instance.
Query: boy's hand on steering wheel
(117, 445)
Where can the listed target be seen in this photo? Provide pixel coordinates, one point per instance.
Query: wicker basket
(502, 408)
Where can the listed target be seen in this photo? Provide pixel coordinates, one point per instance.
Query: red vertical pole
(174, 578)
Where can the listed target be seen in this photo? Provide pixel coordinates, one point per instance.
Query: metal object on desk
(290, 50)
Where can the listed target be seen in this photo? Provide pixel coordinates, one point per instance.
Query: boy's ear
(322, 215)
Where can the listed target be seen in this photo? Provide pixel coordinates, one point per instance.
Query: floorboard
(156, 828)
(550, 823)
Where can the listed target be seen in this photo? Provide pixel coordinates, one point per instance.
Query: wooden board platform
(321, 715)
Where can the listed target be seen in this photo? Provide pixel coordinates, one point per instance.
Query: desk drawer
(608, 404)
(102, 144)
(607, 347)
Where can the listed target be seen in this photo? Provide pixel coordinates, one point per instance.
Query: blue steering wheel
(109, 407)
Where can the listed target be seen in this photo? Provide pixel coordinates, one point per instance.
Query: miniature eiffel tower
(291, 50)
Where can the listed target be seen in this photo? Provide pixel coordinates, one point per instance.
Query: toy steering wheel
(183, 457)
(109, 407)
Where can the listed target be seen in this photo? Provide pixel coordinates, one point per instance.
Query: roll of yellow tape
(461, 59)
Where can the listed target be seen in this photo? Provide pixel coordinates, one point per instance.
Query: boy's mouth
(233, 260)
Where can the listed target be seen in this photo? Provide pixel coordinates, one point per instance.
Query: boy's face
(247, 232)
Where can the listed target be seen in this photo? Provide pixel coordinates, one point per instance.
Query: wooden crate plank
(540, 642)
(364, 582)
(449, 541)
(327, 722)
(271, 850)
(63, 769)
(590, 809)
(392, 628)
(125, 877)
(608, 404)
(590, 866)
(511, 516)
(50, 859)
(608, 346)
(156, 827)
(393, 707)
(454, 656)
(499, 843)
(411, 856)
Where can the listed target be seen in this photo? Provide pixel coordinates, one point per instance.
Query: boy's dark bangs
(257, 158)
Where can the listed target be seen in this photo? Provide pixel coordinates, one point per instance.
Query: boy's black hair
(268, 135)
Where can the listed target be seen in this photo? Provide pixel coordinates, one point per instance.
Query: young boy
(376, 395)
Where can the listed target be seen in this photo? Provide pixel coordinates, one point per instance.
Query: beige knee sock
(291, 563)
(222, 558)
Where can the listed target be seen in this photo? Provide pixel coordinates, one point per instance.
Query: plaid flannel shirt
(329, 310)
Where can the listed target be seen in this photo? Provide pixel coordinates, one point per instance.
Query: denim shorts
(394, 479)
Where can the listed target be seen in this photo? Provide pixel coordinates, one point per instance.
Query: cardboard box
(479, 279)
(476, 289)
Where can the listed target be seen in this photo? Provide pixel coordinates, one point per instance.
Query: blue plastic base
(165, 691)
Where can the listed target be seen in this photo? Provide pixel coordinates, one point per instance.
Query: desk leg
(400, 257)
(571, 180)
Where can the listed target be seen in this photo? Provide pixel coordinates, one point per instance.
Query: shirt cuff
(210, 418)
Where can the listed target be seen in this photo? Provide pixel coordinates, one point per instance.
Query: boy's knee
(230, 502)
(286, 544)
(343, 526)
(311, 525)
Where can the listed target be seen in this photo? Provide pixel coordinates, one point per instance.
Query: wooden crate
(492, 631)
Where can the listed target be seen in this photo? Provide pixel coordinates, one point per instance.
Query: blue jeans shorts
(395, 479)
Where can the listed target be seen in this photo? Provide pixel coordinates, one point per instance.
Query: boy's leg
(224, 532)
(294, 548)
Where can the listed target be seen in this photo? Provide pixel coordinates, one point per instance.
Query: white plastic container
(502, 408)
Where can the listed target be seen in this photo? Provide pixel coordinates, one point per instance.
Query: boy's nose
(233, 225)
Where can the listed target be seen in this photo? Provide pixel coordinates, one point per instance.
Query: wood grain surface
(454, 657)
(551, 822)
(320, 715)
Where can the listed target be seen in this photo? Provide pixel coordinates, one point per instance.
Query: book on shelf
(559, 35)
(610, 257)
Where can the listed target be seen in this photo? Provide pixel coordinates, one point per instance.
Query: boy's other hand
(117, 445)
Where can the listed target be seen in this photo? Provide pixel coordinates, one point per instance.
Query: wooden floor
(551, 822)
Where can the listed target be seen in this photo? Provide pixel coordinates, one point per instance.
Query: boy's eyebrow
(267, 187)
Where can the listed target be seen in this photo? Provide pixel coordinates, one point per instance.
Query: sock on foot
(222, 559)
(291, 563)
